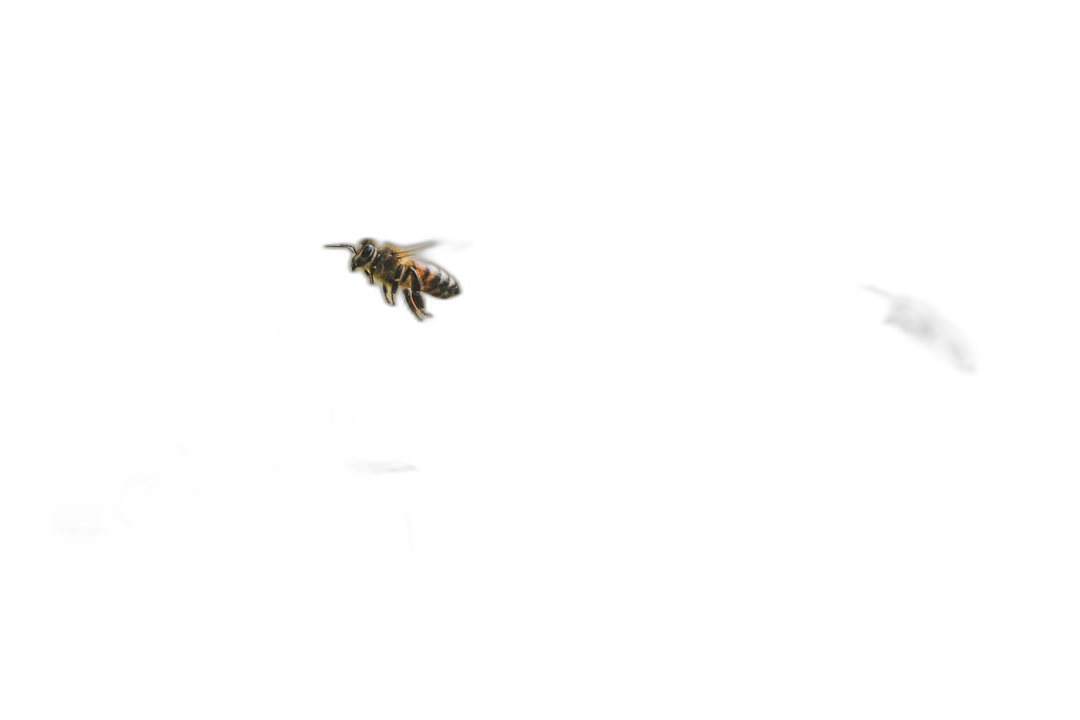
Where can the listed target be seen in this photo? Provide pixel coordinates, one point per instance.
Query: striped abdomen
(435, 281)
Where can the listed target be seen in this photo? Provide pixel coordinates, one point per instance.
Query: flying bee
(397, 267)
(923, 325)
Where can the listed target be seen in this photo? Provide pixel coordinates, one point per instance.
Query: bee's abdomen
(954, 348)
(436, 282)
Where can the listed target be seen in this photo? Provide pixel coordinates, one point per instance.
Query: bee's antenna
(341, 246)
(873, 289)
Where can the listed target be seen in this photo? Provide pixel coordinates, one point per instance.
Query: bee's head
(363, 253)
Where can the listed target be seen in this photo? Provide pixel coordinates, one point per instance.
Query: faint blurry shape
(922, 322)
(384, 466)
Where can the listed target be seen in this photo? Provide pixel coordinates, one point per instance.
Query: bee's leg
(370, 276)
(390, 288)
(396, 282)
(411, 290)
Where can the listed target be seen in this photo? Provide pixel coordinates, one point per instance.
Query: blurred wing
(407, 250)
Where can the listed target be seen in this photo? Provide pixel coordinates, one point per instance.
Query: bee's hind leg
(411, 290)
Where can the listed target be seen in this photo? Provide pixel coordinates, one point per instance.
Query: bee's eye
(366, 253)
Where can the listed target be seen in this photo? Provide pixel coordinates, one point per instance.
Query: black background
(661, 372)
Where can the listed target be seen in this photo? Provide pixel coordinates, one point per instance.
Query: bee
(925, 326)
(397, 267)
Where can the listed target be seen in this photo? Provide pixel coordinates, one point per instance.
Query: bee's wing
(407, 250)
